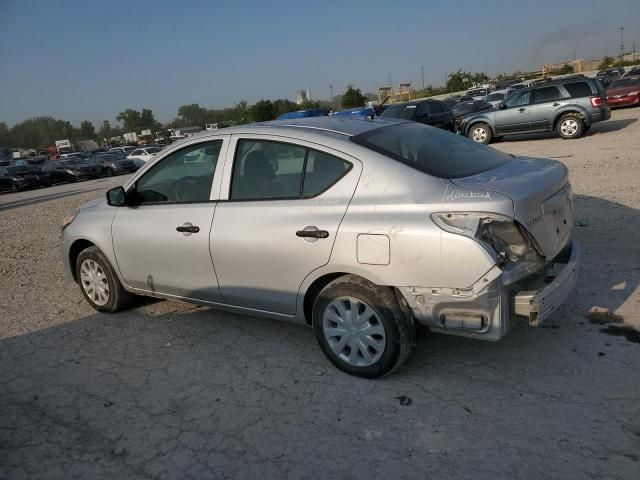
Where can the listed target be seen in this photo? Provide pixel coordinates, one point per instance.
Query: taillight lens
(596, 101)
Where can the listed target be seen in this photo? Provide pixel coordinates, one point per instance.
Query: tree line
(39, 132)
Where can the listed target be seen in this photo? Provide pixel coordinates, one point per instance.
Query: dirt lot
(170, 390)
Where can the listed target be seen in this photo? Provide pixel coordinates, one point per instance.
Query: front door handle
(556, 104)
(312, 234)
(187, 228)
(521, 110)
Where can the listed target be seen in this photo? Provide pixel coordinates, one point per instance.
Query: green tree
(148, 121)
(4, 135)
(130, 120)
(192, 115)
(263, 111)
(39, 132)
(105, 130)
(353, 98)
(606, 63)
(86, 131)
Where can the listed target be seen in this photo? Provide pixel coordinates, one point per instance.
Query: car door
(284, 202)
(425, 114)
(545, 101)
(513, 116)
(161, 239)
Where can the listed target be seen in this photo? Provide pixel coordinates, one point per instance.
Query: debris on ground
(404, 400)
(600, 316)
(581, 223)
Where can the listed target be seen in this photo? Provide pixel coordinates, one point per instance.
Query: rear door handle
(521, 110)
(312, 234)
(556, 104)
(188, 229)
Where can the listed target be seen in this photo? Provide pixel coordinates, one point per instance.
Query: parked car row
(21, 174)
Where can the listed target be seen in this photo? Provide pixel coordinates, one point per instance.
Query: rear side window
(266, 170)
(546, 94)
(432, 150)
(436, 107)
(578, 89)
(405, 112)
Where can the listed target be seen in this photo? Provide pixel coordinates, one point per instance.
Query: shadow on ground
(596, 129)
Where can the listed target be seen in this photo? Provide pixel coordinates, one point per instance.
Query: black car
(71, 170)
(463, 109)
(20, 177)
(112, 164)
(429, 112)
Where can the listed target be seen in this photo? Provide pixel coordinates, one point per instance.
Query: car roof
(335, 127)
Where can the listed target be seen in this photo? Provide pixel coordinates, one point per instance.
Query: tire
(480, 133)
(15, 187)
(570, 126)
(586, 129)
(109, 172)
(117, 297)
(497, 139)
(379, 312)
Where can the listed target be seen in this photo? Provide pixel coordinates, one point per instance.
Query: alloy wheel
(479, 134)
(569, 127)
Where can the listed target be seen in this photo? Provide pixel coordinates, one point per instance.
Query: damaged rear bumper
(489, 308)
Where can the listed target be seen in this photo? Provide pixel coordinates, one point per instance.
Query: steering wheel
(183, 187)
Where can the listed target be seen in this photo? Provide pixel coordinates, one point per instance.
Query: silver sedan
(361, 228)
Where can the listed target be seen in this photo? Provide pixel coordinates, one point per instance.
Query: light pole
(621, 44)
(331, 91)
(422, 69)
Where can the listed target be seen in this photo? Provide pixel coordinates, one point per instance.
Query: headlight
(631, 94)
(499, 234)
(66, 221)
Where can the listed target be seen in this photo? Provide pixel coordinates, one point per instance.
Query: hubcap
(479, 134)
(569, 127)
(354, 331)
(94, 282)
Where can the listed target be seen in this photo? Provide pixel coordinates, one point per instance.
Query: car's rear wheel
(99, 283)
(480, 133)
(570, 126)
(361, 328)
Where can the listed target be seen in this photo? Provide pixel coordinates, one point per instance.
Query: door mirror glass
(116, 197)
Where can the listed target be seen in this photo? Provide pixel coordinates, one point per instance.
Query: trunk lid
(541, 195)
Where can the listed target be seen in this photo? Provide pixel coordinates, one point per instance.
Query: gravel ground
(170, 390)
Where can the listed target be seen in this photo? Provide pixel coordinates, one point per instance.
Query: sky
(90, 59)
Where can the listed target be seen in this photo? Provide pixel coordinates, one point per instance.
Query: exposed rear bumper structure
(489, 309)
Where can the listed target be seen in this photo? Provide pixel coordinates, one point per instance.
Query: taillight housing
(596, 101)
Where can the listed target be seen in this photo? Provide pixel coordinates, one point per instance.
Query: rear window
(578, 89)
(432, 150)
(405, 112)
(625, 82)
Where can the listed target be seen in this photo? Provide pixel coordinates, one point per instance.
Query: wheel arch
(74, 251)
(571, 110)
(476, 121)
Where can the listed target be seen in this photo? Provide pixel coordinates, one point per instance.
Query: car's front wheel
(99, 283)
(480, 133)
(570, 126)
(361, 328)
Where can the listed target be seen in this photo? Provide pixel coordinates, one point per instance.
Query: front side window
(518, 100)
(546, 94)
(404, 112)
(137, 152)
(182, 177)
(266, 170)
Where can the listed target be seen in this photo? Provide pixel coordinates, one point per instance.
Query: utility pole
(621, 44)
(389, 80)
(574, 54)
(422, 69)
(634, 50)
(331, 91)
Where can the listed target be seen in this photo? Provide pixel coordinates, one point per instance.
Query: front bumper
(490, 308)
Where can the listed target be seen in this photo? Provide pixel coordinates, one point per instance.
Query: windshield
(495, 96)
(405, 112)
(152, 149)
(625, 82)
(432, 150)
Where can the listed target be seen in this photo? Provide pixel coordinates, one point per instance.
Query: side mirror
(117, 197)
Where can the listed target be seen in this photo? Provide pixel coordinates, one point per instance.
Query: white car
(143, 154)
(496, 97)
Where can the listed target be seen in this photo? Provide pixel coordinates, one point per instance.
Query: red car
(624, 92)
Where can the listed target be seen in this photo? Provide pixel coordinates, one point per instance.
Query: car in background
(142, 155)
(624, 92)
(496, 97)
(478, 93)
(72, 170)
(306, 228)
(368, 111)
(632, 72)
(430, 112)
(313, 112)
(5, 156)
(112, 164)
(25, 176)
(126, 150)
(568, 106)
(608, 75)
(462, 109)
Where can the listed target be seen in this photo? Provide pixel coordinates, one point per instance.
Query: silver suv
(361, 228)
(569, 106)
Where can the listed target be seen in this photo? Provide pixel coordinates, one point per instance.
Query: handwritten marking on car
(457, 195)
